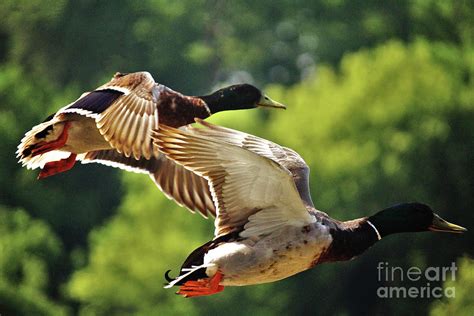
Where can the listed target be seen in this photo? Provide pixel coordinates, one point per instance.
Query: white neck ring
(376, 231)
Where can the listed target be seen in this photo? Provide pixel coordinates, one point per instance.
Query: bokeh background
(380, 105)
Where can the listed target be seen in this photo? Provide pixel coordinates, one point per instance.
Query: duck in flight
(112, 125)
(266, 226)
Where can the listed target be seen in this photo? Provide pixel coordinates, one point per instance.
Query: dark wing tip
(26, 152)
(97, 101)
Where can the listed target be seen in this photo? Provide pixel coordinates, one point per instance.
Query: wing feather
(123, 108)
(284, 156)
(244, 185)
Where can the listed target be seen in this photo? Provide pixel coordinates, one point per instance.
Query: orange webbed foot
(202, 287)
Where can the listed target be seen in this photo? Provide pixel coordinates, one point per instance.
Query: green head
(411, 217)
(238, 97)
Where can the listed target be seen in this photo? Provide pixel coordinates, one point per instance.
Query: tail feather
(40, 160)
(194, 268)
(43, 132)
(191, 274)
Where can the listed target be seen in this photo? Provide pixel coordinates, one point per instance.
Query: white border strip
(376, 231)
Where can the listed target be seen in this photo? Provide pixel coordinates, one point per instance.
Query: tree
(192, 45)
(29, 250)
(463, 302)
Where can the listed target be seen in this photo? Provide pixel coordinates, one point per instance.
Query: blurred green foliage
(463, 303)
(380, 105)
(190, 45)
(29, 252)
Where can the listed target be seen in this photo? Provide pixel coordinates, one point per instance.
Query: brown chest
(176, 111)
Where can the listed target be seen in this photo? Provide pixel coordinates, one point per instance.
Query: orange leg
(202, 287)
(44, 147)
(54, 167)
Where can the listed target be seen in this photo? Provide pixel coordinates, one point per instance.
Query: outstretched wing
(125, 111)
(284, 156)
(251, 192)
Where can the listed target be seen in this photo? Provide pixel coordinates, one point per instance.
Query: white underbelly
(274, 257)
(84, 136)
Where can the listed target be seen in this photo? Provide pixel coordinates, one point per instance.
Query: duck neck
(176, 110)
(227, 99)
(350, 239)
(215, 102)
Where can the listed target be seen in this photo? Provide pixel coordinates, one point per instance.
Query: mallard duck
(120, 116)
(267, 227)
